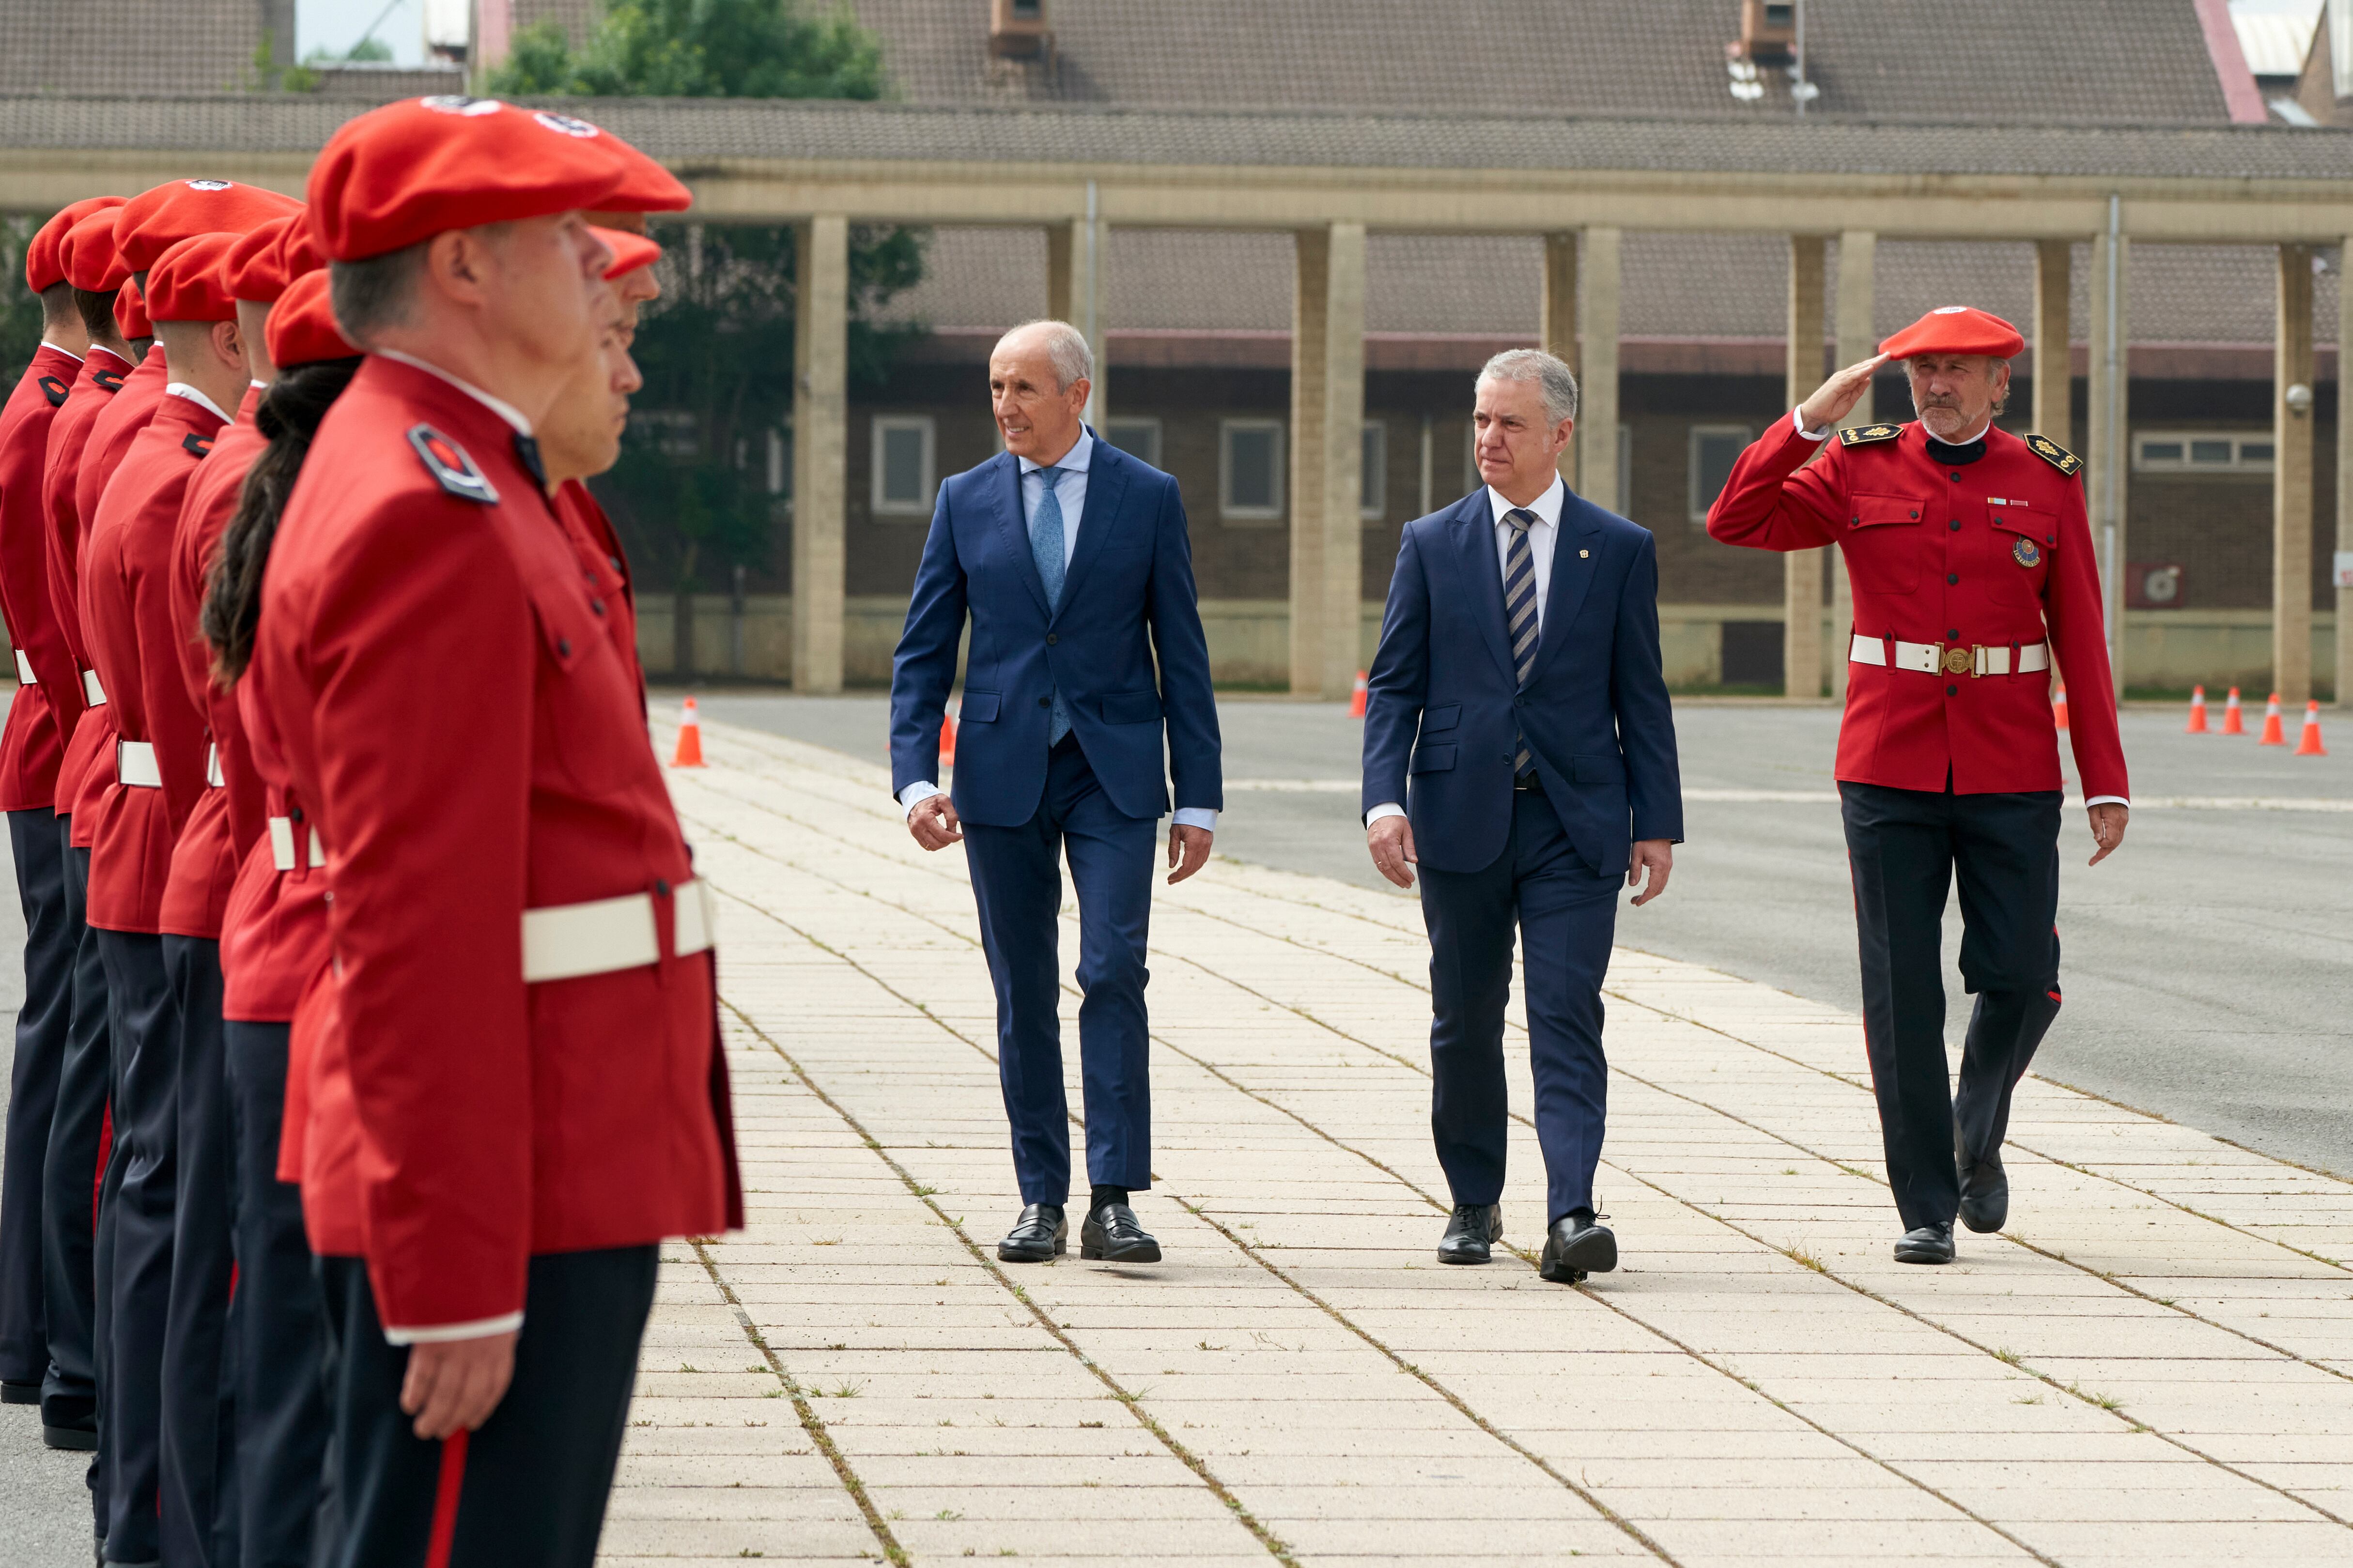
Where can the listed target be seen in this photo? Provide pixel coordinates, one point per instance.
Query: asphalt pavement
(2208, 963)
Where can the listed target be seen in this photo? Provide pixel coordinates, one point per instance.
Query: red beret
(302, 324)
(155, 221)
(188, 282)
(1956, 329)
(400, 175)
(630, 251)
(92, 262)
(131, 312)
(45, 260)
(298, 252)
(255, 269)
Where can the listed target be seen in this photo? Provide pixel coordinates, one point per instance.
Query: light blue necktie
(1046, 545)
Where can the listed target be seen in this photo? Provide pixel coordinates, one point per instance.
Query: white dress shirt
(181, 389)
(1071, 490)
(1543, 535)
(504, 409)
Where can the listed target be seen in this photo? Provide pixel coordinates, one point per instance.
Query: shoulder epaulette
(55, 391)
(2053, 453)
(201, 445)
(111, 380)
(448, 463)
(1864, 435)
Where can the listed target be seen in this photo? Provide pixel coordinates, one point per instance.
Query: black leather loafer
(1574, 1248)
(1472, 1233)
(1929, 1244)
(1111, 1235)
(1042, 1232)
(1985, 1194)
(20, 1393)
(73, 1440)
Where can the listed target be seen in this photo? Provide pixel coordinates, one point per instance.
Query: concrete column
(821, 418)
(1858, 340)
(1327, 422)
(2343, 483)
(2054, 372)
(1597, 425)
(1557, 327)
(1801, 570)
(1074, 285)
(2107, 437)
(2292, 482)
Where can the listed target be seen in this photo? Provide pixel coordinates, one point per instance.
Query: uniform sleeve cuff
(442, 1333)
(1387, 808)
(2108, 800)
(914, 794)
(1798, 423)
(1200, 816)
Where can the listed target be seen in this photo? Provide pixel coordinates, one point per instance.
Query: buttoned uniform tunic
(103, 376)
(1995, 554)
(605, 569)
(32, 745)
(465, 731)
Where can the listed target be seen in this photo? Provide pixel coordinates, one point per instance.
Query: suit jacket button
(1052, 639)
(1045, 702)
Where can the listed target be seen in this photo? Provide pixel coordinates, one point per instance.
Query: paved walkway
(2155, 1362)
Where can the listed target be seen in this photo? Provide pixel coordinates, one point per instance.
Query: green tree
(699, 48)
(20, 308)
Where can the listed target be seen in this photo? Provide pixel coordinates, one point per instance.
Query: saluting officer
(1972, 566)
(517, 1090)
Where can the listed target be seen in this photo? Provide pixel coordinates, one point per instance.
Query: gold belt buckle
(1959, 661)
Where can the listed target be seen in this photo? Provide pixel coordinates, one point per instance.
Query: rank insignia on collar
(55, 391)
(2025, 553)
(2053, 453)
(202, 446)
(1862, 434)
(448, 463)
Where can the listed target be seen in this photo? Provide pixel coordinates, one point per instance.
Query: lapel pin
(1583, 553)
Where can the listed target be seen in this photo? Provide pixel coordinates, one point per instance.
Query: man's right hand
(1391, 841)
(1835, 398)
(933, 822)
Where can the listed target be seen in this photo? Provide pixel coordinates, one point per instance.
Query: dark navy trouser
(78, 1152)
(198, 1448)
(1566, 913)
(1017, 881)
(1906, 846)
(41, 1028)
(530, 1487)
(278, 1323)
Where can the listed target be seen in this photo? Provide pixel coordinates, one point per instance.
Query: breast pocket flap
(1876, 510)
(1446, 717)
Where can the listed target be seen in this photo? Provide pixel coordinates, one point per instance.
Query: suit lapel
(1473, 529)
(1572, 572)
(1106, 483)
(1005, 489)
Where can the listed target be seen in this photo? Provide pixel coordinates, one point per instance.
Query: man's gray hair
(379, 292)
(1066, 346)
(1555, 379)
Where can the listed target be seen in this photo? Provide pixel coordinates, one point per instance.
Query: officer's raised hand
(2108, 829)
(1836, 397)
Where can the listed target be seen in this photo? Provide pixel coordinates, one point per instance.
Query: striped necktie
(1520, 609)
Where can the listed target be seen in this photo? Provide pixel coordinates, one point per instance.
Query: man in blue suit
(1519, 687)
(1071, 560)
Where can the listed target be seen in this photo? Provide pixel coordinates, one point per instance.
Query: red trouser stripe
(445, 1499)
(105, 1148)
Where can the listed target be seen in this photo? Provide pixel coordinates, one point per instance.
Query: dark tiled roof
(686, 130)
(75, 47)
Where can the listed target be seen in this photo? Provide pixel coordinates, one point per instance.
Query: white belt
(93, 695)
(282, 845)
(134, 764)
(213, 777)
(24, 676)
(1936, 658)
(566, 941)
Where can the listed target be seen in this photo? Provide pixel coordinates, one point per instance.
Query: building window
(1713, 449)
(780, 462)
(2201, 452)
(1250, 469)
(1139, 438)
(1373, 477)
(903, 465)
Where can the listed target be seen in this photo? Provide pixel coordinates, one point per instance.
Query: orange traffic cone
(2233, 722)
(2274, 734)
(2310, 745)
(2059, 708)
(948, 739)
(2197, 725)
(689, 740)
(1356, 703)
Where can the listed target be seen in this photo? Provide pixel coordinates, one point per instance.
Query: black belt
(1527, 780)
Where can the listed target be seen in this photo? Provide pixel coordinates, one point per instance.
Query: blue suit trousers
(1566, 913)
(1017, 881)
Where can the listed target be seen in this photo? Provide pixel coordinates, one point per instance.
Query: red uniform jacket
(34, 742)
(204, 860)
(102, 375)
(1995, 554)
(464, 726)
(126, 611)
(274, 932)
(604, 567)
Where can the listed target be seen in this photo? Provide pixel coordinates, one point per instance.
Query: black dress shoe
(1929, 1244)
(1111, 1235)
(75, 1437)
(1042, 1232)
(1472, 1233)
(20, 1393)
(1577, 1246)
(1985, 1193)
